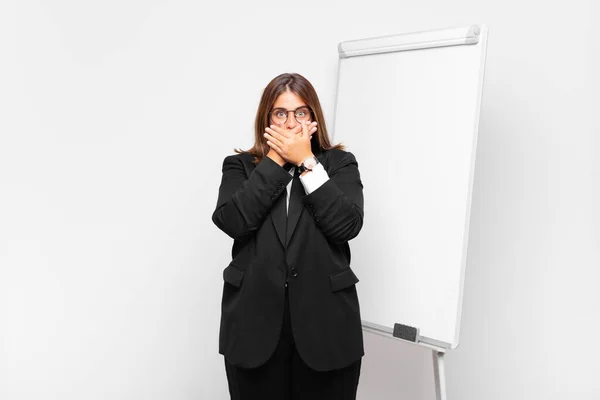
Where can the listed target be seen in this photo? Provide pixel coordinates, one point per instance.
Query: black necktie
(297, 192)
(287, 167)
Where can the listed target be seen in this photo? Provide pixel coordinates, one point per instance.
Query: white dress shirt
(311, 181)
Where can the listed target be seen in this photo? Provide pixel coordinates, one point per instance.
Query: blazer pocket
(233, 275)
(342, 280)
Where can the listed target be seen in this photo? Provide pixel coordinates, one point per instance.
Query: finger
(294, 131)
(279, 129)
(272, 139)
(296, 128)
(275, 133)
(274, 146)
(305, 128)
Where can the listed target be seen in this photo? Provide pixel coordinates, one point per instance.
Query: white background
(115, 117)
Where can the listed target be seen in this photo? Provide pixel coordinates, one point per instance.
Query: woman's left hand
(293, 148)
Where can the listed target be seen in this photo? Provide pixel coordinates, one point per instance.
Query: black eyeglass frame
(312, 114)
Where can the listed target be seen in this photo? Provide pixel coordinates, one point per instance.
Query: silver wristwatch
(308, 164)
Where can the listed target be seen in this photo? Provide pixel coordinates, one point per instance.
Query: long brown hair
(299, 85)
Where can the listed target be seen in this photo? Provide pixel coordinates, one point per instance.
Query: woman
(290, 318)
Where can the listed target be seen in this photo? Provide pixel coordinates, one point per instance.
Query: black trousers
(286, 377)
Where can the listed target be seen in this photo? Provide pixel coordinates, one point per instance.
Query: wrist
(308, 164)
(278, 160)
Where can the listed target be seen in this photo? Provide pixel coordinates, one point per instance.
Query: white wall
(532, 303)
(115, 117)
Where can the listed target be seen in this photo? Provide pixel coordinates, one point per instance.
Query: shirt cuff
(312, 180)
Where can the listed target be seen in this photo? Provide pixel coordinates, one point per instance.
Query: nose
(291, 121)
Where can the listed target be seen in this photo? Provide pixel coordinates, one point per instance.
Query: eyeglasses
(280, 115)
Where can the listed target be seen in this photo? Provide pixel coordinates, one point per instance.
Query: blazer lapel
(278, 217)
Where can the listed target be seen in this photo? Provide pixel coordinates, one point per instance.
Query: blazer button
(294, 272)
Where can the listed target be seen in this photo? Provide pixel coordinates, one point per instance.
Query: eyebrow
(282, 108)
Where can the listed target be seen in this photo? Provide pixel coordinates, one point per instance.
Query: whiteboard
(407, 106)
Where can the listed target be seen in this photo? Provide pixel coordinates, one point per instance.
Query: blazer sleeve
(337, 205)
(244, 202)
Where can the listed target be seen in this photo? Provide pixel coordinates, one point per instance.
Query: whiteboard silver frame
(410, 41)
(467, 35)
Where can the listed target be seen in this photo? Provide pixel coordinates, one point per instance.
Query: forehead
(289, 100)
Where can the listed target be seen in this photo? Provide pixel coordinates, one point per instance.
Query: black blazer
(324, 308)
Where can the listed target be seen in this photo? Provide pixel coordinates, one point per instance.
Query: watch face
(310, 162)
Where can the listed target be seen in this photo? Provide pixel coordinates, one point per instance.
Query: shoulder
(239, 158)
(238, 163)
(337, 158)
